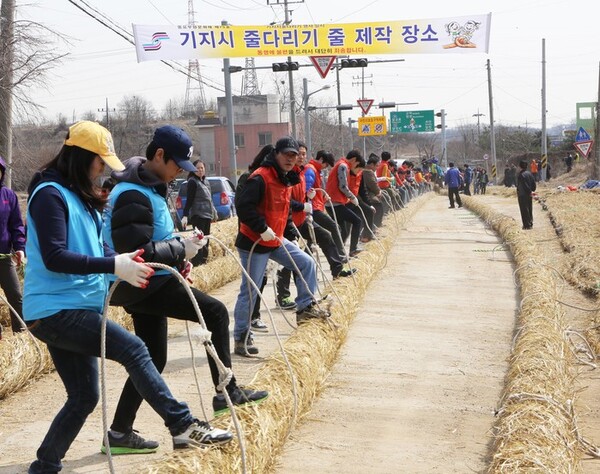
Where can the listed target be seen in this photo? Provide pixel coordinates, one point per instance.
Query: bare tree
(25, 59)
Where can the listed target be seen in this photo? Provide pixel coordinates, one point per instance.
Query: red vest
(318, 201)
(299, 194)
(354, 182)
(383, 172)
(274, 206)
(333, 186)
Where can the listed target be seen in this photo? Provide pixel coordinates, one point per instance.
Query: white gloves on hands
(308, 207)
(373, 209)
(184, 222)
(311, 193)
(268, 235)
(193, 245)
(354, 200)
(130, 267)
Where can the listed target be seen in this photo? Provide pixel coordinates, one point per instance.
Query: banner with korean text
(463, 34)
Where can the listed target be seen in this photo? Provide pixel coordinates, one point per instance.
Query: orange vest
(274, 206)
(333, 185)
(383, 172)
(354, 182)
(299, 194)
(318, 202)
(534, 166)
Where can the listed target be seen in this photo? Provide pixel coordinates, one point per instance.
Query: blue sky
(102, 65)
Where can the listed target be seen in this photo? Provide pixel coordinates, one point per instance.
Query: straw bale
(536, 427)
(311, 351)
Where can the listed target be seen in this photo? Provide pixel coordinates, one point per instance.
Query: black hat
(286, 145)
(177, 144)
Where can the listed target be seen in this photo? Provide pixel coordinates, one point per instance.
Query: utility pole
(492, 132)
(544, 136)
(339, 99)
(291, 78)
(362, 96)
(230, 124)
(596, 167)
(7, 22)
(106, 110)
(478, 126)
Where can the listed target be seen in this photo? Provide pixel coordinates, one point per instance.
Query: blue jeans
(73, 340)
(258, 264)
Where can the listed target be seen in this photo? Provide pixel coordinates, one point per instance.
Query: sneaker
(239, 397)
(129, 443)
(286, 303)
(311, 312)
(345, 273)
(245, 347)
(355, 253)
(258, 325)
(201, 434)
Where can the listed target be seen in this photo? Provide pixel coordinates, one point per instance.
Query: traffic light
(359, 62)
(442, 115)
(287, 66)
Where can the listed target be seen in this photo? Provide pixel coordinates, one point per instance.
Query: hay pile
(536, 428)
(311, 350)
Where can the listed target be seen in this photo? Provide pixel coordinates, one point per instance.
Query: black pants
(150, 323)
(256, 310)
(345, 215)
(204, 225)
(526, 208)
(367, 217)
(378, 217)
(467, 189)
(325, 221)
(453, 194)
(9, 281)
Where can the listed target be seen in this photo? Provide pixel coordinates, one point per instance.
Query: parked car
(223, 197)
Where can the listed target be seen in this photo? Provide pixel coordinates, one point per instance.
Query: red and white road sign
(584, 147)
(322, 64)
(365, 105)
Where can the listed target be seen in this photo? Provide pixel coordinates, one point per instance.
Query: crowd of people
(82, 236)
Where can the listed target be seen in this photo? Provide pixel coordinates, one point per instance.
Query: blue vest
(163, 223)
(46, 292)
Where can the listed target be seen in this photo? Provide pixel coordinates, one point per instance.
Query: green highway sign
(412, 121)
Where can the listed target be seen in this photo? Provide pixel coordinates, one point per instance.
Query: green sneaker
(130, 443)
(286, 303)
(239, 396)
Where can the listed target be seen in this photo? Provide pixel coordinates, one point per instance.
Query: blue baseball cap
(177, 145)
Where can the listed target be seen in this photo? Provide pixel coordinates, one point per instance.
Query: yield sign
(584, 147)
(322, 64)
(365, 105)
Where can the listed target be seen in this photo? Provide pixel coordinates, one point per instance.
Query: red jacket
(354, 182)
(383, 171)
(299, 194)
(274, 206)
(318, 202)
(333, 186)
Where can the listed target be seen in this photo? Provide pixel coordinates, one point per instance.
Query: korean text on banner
(463, 34)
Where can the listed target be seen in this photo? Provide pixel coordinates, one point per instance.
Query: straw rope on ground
(536, 429)
(311, 350)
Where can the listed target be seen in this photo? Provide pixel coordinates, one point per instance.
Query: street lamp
(306, 111)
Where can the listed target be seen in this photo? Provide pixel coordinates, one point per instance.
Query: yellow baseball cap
(92, 136)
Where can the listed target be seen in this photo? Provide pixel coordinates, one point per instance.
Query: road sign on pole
(584, 147)
(365, 105)
(368, 126)
(412, 121)
(322, 64)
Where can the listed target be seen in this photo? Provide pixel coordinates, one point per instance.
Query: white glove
(354, 200)
(311, 193)
(193, 245)
(130, 267)
(184, 222)
(268, 235)
(308, 207)
(373, 209)
(20, 258)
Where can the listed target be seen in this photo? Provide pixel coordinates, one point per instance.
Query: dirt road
(414, 392)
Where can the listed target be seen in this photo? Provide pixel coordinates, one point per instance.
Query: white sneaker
(201, 434)
(259, 326)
